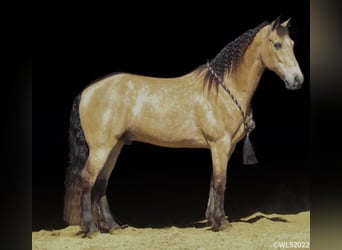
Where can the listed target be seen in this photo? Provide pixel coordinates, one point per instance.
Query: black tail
(78, 154)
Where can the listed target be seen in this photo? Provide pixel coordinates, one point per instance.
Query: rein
(248, 154)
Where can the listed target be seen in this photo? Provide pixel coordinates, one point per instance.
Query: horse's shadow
(202, 223)
(251, 219)
(258, 217)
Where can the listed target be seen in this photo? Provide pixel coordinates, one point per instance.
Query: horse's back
(155, 110)
(127, 88)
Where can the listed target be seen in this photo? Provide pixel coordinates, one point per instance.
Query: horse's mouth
(293, 86)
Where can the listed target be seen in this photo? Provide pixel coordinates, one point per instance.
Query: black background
(153, 186)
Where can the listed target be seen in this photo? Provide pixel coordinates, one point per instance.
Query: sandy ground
(257, 231)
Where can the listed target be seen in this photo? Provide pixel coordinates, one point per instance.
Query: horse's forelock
(282, 31)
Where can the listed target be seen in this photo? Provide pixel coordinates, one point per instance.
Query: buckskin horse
(206, 108)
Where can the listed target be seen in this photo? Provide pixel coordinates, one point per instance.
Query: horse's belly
(169, 138)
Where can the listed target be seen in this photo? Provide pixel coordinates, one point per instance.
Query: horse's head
(277, 54)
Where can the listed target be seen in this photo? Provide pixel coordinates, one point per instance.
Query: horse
(206, 108)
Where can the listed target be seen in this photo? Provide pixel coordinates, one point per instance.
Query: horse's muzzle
(294, 83)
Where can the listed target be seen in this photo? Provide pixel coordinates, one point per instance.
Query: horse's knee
(220, 185)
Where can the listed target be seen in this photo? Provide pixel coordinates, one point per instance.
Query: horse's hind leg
(95, 163)
(106, 223)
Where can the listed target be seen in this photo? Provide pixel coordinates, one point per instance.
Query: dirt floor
(257, 231)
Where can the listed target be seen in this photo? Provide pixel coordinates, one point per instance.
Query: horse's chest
(219, 122)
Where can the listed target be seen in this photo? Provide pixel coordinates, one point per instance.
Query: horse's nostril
(297, 80)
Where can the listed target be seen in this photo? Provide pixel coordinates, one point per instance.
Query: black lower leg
(105, 219)
(209, 214)
(88, 224)
(215, 211)
(107, 224)
(219, 217)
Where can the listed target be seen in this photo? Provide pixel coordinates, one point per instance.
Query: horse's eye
(278, 45)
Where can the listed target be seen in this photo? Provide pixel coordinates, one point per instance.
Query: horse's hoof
(225, 226)
(210, 221)
(80, 233)
(91, 235)
(89, 231)
(114, 228)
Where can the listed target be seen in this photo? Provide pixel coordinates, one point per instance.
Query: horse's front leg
(220, 153)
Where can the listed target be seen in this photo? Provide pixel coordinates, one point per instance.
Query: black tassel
(249, 157)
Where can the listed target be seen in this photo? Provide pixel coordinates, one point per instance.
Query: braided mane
(230, 56)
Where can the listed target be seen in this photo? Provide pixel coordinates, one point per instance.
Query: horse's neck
(245, 80)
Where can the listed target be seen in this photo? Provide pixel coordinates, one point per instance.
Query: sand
(257, 231)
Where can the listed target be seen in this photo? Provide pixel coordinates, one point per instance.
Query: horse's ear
(275, 24)
(287, 23)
